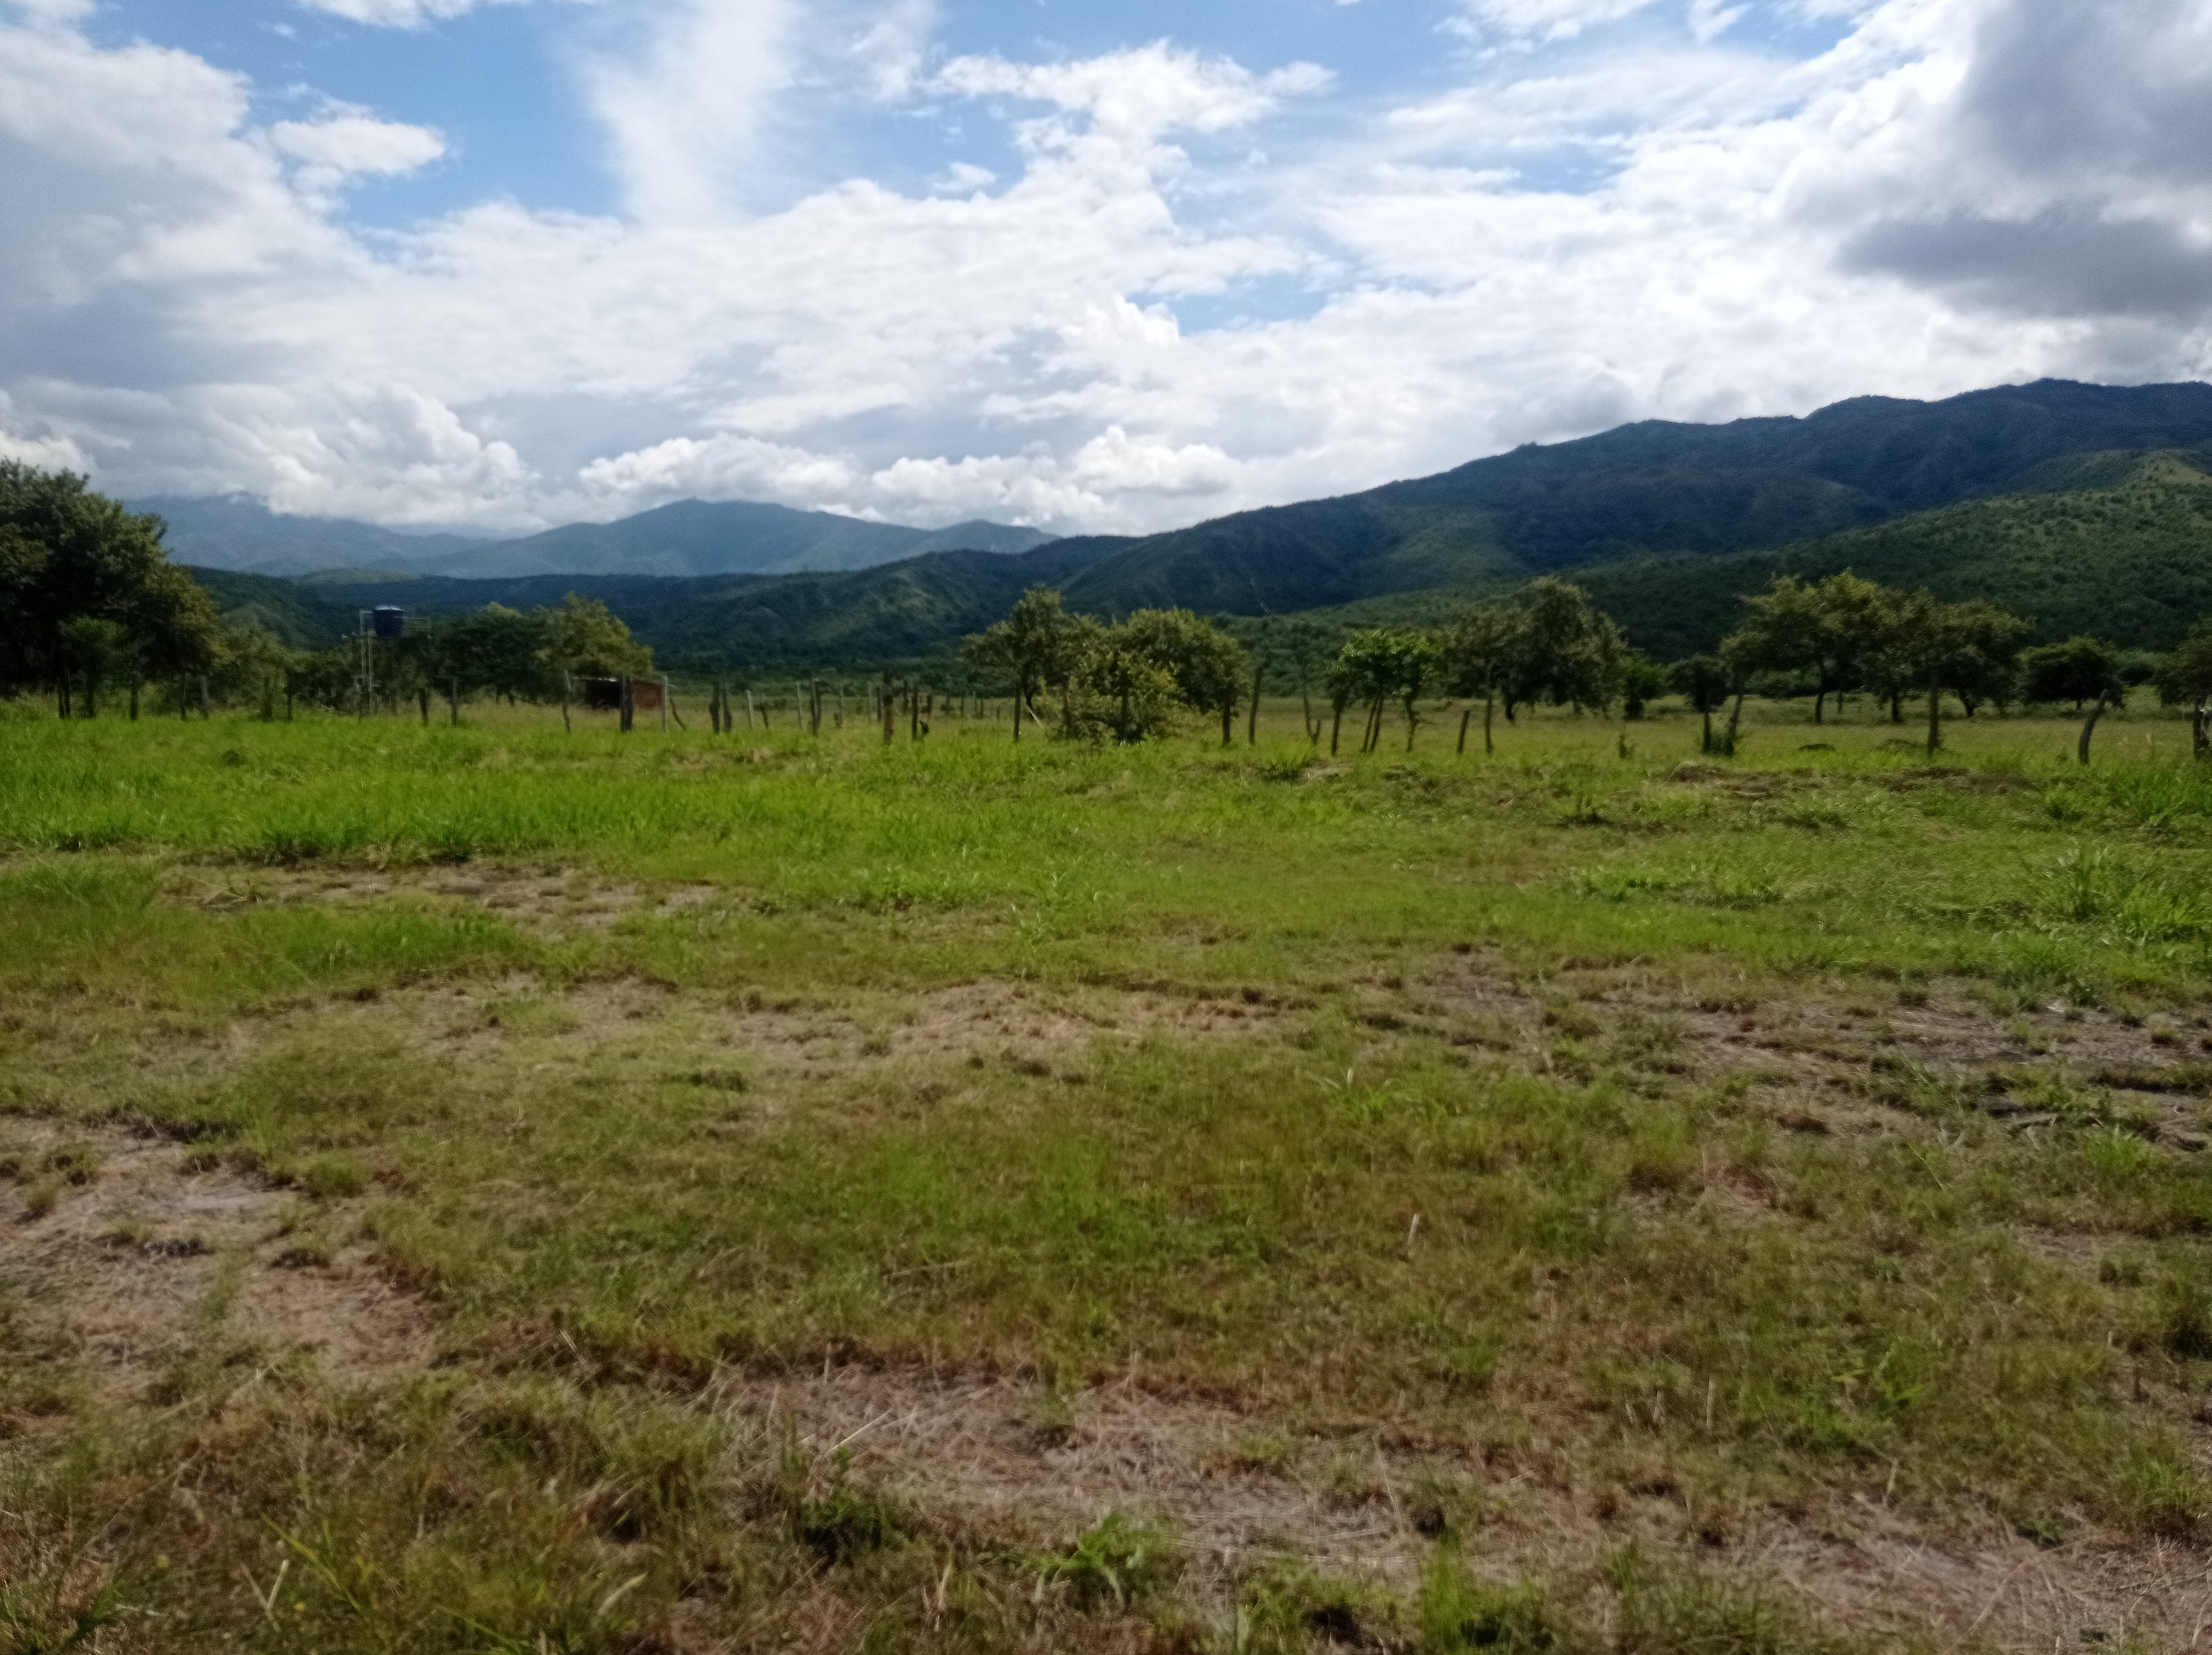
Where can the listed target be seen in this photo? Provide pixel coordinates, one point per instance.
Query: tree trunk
(1465, 719)
(1306, 717)
(1018, 712)
(1820, 700)
(1335, 728)
(2200, 732)
(62, 696)
(1707, 746)
(1252, 718)
(422, 694)
(1228, 722)
(2090, 729)
(890, 713)
(1935, 717)
(1489, 747)
(134, 698)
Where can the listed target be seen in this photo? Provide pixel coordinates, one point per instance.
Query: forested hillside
(2131, 562)
(2085, 508)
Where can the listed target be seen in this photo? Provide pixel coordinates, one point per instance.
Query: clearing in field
(492, 1190)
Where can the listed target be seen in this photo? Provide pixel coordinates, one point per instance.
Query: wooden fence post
(453, 699)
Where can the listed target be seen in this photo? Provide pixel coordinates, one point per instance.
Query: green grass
(1572, 1119)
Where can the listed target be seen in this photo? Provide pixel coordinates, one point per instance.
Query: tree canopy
(88, 589)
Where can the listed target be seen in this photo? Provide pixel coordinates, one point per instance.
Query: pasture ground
(495, 1189)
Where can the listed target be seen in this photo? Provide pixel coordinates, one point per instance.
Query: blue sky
(503, 263)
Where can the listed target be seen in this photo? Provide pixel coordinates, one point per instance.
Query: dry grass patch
(166, 1254)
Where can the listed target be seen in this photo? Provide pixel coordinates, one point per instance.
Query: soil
(157, 1261)
(1034, 1469)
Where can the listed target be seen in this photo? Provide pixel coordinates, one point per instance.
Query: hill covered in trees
(2128, 556)
(2083, 508)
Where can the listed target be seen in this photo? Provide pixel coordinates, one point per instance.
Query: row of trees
(1549, 644)
(532, 656)
(90, 599)
(1845, 635)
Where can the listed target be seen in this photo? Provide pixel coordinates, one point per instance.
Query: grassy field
(497, 1189)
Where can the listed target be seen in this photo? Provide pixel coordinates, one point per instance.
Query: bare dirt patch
(150, 1264)
(551, 902)
(1828, 1060)
(1241, 1495)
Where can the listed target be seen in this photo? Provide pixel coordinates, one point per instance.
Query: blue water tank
(388, 622)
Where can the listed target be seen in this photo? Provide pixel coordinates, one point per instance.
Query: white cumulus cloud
(1126, 321)
(398, 14)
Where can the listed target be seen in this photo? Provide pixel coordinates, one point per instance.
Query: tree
(250, 665)
(1122, 690)
(2079, 670)
(1378, 666)
(1262, 653)
(70, 555)
(1038, 645)
(1643, 680)
(1705, 682)
(1480, 655)
(1304, 644)
(585, 638)
(2186, 680)
(1830, 629)
(91, 650)
(1208, 666)
(502, 651)
(1959, 648)
(1565, 652)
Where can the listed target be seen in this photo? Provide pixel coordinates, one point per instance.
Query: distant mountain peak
(690, 537)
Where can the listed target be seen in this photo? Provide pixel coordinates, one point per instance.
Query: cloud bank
(1197, 284)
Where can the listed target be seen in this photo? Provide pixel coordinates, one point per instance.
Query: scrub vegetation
(487, 1188)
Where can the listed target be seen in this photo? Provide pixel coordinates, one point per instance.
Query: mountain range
(689, 538)
(2086, 507)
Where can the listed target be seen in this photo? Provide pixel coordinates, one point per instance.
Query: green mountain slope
(2085, 507)
(2131, 561)
(296, 613)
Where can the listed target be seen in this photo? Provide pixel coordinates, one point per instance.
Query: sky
(496, 264)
